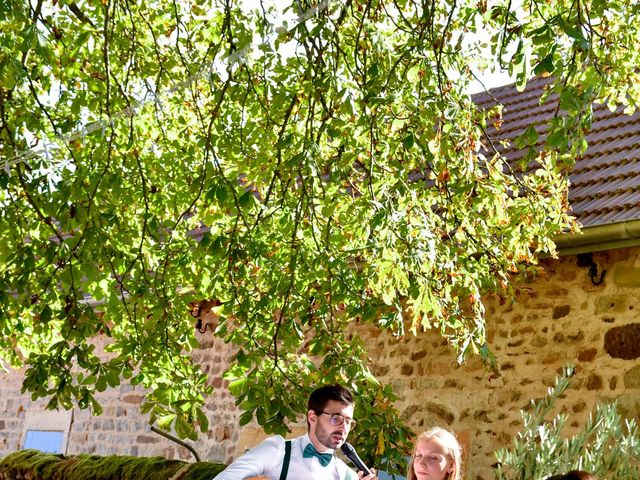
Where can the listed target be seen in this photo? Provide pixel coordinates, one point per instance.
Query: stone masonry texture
(557, 318)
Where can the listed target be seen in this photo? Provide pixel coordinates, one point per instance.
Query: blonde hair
(452, 449)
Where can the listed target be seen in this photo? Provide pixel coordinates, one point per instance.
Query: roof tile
(605, 181)
(606, 174)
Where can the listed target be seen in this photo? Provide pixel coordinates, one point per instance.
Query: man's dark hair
(319, 397)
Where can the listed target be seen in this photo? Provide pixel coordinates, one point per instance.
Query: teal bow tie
(323, 458)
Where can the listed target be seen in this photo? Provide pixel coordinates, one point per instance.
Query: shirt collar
(306, 440)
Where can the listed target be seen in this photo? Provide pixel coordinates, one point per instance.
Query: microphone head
(351, 454)
(347, 448)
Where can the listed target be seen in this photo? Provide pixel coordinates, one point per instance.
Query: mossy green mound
(35, 465)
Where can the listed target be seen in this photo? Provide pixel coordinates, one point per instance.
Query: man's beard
(326, 438)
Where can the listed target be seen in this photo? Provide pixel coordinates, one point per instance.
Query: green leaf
(545, 66)
(165, 421)
(529, 137)
(45, 314)
(101, 383)
(203, 421)
(556, 139)
(236, 387)
(246, 417)
(408, 141)
(246, 200)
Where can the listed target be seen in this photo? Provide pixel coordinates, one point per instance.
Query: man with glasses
(310, 457)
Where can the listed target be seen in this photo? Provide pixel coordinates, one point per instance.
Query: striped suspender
(285, 463)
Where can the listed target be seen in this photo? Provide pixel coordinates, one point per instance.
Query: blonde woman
(437, 455)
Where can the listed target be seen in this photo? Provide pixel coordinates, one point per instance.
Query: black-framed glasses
(337, 419)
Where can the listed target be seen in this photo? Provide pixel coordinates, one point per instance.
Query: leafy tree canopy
(303, 167)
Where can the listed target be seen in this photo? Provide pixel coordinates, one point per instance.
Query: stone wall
(122, 429)
(557, 318)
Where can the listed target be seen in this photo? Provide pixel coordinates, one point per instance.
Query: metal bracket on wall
(586, 260)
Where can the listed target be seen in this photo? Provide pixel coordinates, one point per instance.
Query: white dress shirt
(266, 459)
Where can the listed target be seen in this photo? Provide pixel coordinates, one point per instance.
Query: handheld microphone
(351, 454)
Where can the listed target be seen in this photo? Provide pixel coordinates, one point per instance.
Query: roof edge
(599, 238)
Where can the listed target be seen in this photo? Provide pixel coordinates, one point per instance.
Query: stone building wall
(557, 318)
(122, 429)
